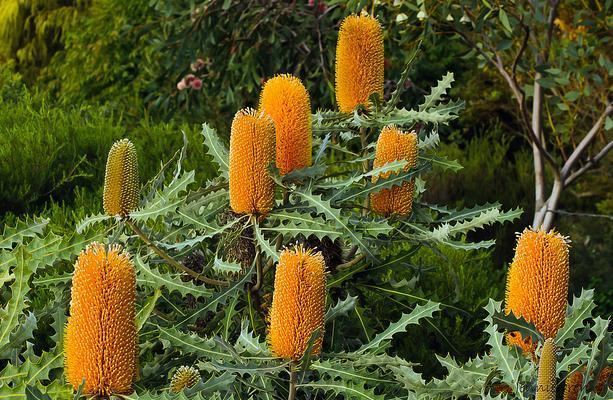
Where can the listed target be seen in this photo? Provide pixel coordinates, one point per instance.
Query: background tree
(553, 58)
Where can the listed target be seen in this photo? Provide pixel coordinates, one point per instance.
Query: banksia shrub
(537, 284)
(286, 100)
(252, 150)
(297, 303)
(121, 179)
(546, 382)
(359, 61)
(395, 145)
(185, 377)
(101, 339)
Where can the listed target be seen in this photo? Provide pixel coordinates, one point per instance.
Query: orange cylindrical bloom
(298, 303)
(573, 385)
(359, 61)
(100, 343)
(286, 100)
(546, 382)
(395, 145)
(252, 151)
(537, 284)
(121, 187)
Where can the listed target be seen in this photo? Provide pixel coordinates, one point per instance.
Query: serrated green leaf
(349, 390)
(420, 311)
(264, 244)
(166, 201)
(9, 315)
(91, 220)
(155, 278)
(437, 92)
(13, 235)
(324, 207)
(216, 149)
(342, 307)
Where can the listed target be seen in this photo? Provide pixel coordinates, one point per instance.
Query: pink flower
(188, 79)
(196, 84)
(321, 7)
(181, 85)
(197, 65)
(311, 3)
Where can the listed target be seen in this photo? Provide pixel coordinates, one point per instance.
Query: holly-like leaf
(216, 149)
(383, 338)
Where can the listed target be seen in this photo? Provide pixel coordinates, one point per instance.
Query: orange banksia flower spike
(252, 150)
(100, 343)
(546, 382)
(286, 100)
(298, 303)
(573, 385)
(121, 179)
(537, 284)
(359, 61)
(394, 145)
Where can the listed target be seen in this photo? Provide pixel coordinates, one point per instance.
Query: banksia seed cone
(121, 179)
(359, 61)
(185, 377)
(546, 383)
(286, 101)
(252, 150)
(298, 303)
(395, 145)
(573, 385)
(100, 343)
(537, 284)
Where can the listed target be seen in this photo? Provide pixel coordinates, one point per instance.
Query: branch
(351, 263)
(517, 92)
(589, 164)
(585, 142)
(170, 260)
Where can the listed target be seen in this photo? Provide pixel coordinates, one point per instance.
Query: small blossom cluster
(190, 80)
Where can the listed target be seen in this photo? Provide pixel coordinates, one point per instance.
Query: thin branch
(351, 263)
(170, 260)
(517, 92)
(585, 142)
(589, 164)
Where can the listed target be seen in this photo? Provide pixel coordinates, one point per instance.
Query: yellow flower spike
(359, 61)
(252, 150)
(394, 145)
(121, 185)
(298, 303)
(537, 284)
(185, 377)
(546, 382)
(100, 342)
(286, 100)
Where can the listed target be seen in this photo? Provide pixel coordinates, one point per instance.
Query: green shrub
(47, 150)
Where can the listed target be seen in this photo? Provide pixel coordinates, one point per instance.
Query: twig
(582, 214)
(170, 260)
(585, 142)
(589, 164)
(351, 263)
